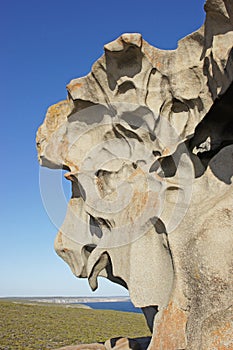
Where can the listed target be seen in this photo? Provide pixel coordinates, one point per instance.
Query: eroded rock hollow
(147, 142)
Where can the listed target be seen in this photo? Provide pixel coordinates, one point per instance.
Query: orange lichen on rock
(169, 329)
(74, 86)
(217, 331)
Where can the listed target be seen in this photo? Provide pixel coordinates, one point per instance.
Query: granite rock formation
(147, 142)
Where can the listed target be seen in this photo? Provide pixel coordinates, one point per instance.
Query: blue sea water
(126, 306)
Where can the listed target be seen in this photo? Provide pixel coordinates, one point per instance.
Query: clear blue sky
(45, 44)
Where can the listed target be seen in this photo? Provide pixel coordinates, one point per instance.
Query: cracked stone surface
(147, 141)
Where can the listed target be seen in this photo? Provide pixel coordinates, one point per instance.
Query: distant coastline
(118, 303)
(68, 300)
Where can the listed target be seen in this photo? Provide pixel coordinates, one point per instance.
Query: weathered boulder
(94, 346)
(127, 343)
(147, 140)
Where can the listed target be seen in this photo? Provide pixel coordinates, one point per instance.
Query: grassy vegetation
(25, 326)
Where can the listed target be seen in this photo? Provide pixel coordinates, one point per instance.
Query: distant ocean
(126, 306)
(97, 303)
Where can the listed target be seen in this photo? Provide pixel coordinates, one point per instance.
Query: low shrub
(28, 327)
